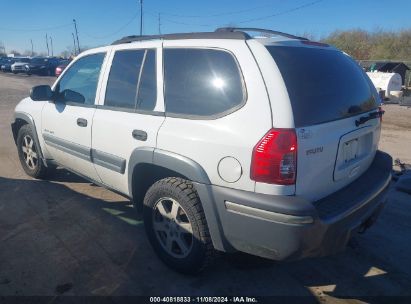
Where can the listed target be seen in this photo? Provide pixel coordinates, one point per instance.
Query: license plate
(350, 150)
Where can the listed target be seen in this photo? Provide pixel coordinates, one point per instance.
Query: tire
(183, 243)
(29, 155)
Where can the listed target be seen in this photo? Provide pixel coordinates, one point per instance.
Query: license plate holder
(350, 150)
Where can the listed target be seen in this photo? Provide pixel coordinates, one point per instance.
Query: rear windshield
(323, 85)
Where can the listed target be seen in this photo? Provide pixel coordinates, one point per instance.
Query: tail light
(274, 159)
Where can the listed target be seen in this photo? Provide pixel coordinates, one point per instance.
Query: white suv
(266, 145)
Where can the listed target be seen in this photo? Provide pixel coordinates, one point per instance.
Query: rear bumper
(290, 227)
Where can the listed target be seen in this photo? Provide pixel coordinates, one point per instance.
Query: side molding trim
(108, 161)
(103, 159)
(69, 147)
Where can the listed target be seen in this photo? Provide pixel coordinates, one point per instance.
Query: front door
(67, 121)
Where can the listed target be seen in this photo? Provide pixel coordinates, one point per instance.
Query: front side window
(201, 82)
(79, 83)
(132, 80)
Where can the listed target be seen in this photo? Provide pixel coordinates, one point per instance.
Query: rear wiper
(364, 119)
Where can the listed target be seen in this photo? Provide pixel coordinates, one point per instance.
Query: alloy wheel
(172, 227)
(29, 152)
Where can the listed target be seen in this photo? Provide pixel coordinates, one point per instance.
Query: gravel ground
(68, 236)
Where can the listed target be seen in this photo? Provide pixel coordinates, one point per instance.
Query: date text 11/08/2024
(203, 300)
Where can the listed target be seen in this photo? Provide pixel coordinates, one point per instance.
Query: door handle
(140, 135)
(81, 122)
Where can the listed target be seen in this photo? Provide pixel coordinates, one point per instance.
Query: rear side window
(323, 85)
(201, 82)
(147, 92)
(122, 82)
(132, 80)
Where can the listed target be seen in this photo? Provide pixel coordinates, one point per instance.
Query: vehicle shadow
(53, 233)
(62, 175)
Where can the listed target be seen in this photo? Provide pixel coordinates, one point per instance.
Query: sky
(100, 22)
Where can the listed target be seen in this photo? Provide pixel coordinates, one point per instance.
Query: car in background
(19, 65)
(3, 60)
(63, 65)
(42, 66)
(6, 65)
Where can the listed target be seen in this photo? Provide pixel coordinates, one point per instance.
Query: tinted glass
(147, 92)
(201, 81)
(123, 79)
(82, 78)
(323, 85)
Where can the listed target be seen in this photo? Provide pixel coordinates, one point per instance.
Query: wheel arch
(148, 165)
(21, 119)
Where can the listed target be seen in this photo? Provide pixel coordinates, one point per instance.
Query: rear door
(129, 113)
(331, 99)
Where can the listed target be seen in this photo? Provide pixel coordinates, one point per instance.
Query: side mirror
(41, 93)
(70, 95)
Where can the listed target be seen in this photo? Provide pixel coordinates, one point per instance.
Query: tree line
(377, 45)
(360, 44)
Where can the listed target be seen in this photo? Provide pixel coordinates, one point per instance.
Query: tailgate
(335, 111)
(332, 155)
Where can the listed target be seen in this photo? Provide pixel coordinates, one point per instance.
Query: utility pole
(51, 44)
(141, 17)
(32, 49)
(47, 44)
(159, 23)
(75, 27)
(75, 47)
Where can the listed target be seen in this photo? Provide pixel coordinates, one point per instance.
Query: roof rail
(200, 35)
(252, 29)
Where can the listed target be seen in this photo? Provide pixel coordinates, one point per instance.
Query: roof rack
(220, 33)
(200, 35)
(252, 29)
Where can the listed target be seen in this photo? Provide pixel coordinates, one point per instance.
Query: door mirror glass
(41, 93)
(72, 96)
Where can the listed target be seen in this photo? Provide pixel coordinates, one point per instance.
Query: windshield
(323, 85)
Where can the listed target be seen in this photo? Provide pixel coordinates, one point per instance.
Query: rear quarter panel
(208, 141)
